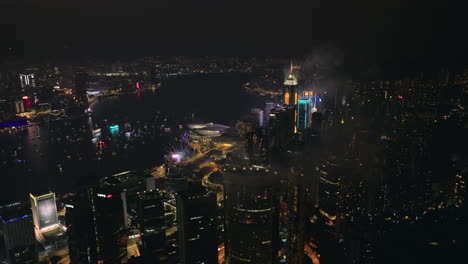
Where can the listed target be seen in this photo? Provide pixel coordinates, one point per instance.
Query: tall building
(290, 89)
(251, 215)
(27, 80)
(304, 114)
(331, 174)
(281, 127)
(258, 114)
(152, 226)
(19, 107)
(300, 200)
(96, 227)
(290, 100)
(49, 232)
(20, 239)
(80, 86)
(197, 224)
(267, 111)
(44, 209)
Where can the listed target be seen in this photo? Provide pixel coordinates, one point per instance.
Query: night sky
(380, 31)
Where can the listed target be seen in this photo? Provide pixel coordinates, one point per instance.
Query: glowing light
(286, 98)
(101, 144)
(137, 85)
(25, 97)
(121, 173)
(93, 92)
(330, 217)
(176, 157)
(105, 195)
(14, 219)
(27, 103)
(14, 123)
(114, 128)
(302, 114)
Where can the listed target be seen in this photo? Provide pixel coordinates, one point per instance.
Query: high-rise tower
(150, 211)
(290, 88)
(80, 86)
(251, 220)
(196, 224)
(96, 227)
(301, 190)
(20, 239)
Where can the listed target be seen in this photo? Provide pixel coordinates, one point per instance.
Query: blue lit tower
(303, 114)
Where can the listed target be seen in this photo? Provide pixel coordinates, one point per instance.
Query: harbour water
(126, 132)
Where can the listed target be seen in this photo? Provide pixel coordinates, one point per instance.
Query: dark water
(60, 155)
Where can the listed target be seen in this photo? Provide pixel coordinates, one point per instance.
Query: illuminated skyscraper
(251, 215)
(281, 127)
(27, 80)
(20, 239)
(304, 114)
(150, 211)
(44, 211)
(300, 199)
(96, 228)
(290, 89)
(196, 222)
(330, 174)
(267, 111)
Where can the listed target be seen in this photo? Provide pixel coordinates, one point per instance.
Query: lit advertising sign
(104, 195)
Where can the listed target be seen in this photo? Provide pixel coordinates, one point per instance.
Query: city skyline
(210, 132)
